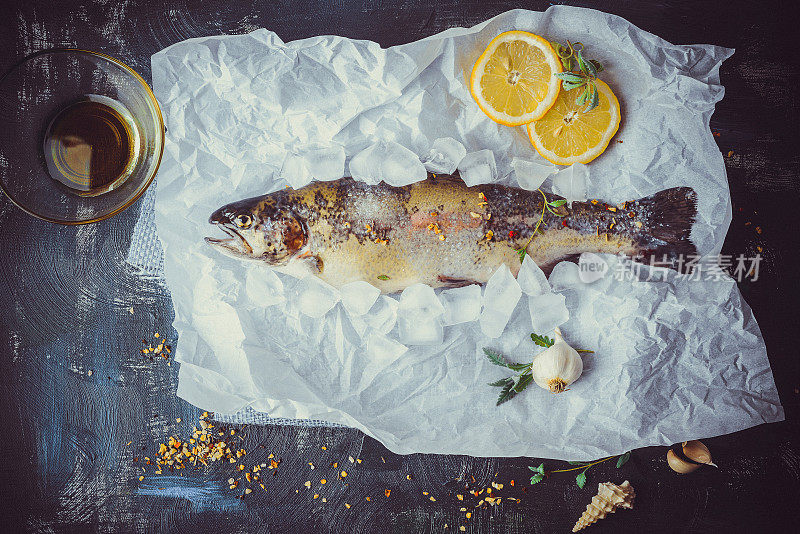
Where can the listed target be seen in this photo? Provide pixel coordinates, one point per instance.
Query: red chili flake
(563, 223)
(512, 233)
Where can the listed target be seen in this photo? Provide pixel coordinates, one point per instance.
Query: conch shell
(609, 497)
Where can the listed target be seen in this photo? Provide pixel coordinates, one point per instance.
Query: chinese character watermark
(592, 267)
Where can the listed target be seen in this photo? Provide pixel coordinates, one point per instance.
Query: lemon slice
(513, 81)
(566, 135)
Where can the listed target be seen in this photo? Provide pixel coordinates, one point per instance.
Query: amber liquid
(92, 145)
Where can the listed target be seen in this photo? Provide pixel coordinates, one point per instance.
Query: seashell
(609, 497)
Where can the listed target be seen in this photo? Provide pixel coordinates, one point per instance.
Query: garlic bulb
(557, 366)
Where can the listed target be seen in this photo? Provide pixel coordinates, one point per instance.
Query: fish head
(258, 230)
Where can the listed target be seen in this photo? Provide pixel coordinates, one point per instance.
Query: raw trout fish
(442, 233)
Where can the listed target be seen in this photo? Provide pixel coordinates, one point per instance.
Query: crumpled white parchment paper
(675, 358)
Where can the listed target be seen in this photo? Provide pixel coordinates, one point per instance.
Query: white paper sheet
(249, 114)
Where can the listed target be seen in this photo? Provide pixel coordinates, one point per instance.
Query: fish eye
(243, 221)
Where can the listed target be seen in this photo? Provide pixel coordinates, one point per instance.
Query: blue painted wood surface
(81, 407)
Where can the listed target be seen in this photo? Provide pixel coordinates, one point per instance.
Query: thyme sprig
(540, 474)
(571, 56)
(548, 206)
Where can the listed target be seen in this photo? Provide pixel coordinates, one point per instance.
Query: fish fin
(667, 218)
(314, 263)
(450, 282)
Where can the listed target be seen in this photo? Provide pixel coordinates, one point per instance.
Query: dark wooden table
(70, 436)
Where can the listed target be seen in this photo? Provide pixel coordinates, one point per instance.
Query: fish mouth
(234, 244)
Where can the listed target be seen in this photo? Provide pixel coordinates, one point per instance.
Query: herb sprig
(513, 384)
(540, 474)
(571, 55)
(549, 205)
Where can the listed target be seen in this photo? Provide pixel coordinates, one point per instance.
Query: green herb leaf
(535, 479)
(622, 459)
(581, 62)
(507, 393)
(523, 382)
(501, 382)
(587, 66)
(382, 277)
(584, 96)
(495, 357)
(594, 101)
(542, 341)
(580, 480)
(557, 203)
(521, 253)
(569, 86)
(539, 469)
(570, 77)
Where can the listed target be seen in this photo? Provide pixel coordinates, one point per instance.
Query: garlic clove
(697, 451)
(678, 465)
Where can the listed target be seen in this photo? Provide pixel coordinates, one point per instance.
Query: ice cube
(315, 298)
(324, 163)
(358, 297)
(445, 155)
(419, 316)
(295, 172)
(565, 276)
(263, 287)
(416, 329)
(499, 300)
(531, 174)
(388, 161)
(420, 298)
(570, 182)
(531, 278)
(548, 311)
(382, 316)
(478, 168)
(461, 304)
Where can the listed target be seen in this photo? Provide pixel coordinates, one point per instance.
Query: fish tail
(667, 218)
